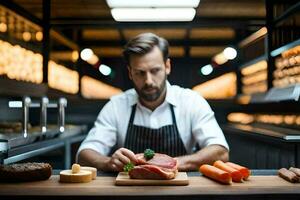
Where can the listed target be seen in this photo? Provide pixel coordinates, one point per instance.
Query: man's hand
(120, 158)
(206, 155)
(116, 162)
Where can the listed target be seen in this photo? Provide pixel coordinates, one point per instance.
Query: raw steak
(160, 167)
(160, 160)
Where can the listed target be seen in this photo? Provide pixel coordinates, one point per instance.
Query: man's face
(148, 74)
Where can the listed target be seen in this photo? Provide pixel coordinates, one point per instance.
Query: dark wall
(184, 72)
(9, 114)
(261, 152)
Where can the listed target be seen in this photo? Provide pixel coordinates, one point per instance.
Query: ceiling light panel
(152, 3)
(153, 14)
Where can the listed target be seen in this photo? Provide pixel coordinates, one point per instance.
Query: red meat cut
(160, 167)
(160, 160)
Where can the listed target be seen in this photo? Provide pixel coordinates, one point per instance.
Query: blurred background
(242, 56)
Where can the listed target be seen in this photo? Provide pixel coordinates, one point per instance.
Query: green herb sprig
(128, 167)
(148, 154)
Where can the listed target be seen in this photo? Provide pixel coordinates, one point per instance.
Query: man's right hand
(120, 158)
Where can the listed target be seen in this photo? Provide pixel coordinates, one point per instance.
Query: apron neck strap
(134, 109)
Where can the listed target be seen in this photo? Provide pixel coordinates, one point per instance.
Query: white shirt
(194, 117)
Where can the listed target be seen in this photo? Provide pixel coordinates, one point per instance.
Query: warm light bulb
(220, 58)
(93, 60)
(230, 53)
(86, 54)
(39, 36)
(26, 36)
(75, 55)
(3, 27)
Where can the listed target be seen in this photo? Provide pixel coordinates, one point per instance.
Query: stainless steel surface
(32, 153)
(26, 104)
(43, 119)
(62, 103)
(29, 134)
(72, 134)
(3, 146)
(267, 130)
(291, 92)
(34, 134)
(19, 104)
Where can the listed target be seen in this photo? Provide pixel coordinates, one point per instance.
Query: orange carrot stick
(215, 173)
(244, 170)
(236, 175)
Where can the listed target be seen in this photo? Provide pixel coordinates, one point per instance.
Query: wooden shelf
(278, 51)
(14, 88)
(21, 88)
(289, 93)
(290, 11)
(260, 58)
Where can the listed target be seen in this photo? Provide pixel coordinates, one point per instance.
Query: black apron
(165, 140)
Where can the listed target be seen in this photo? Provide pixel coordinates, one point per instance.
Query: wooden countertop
(104, 186)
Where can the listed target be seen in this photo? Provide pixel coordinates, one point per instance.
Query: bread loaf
(25, 172)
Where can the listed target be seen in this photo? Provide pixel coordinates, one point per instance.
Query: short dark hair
(144, 43)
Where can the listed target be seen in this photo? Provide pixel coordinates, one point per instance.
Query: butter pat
(75, 168)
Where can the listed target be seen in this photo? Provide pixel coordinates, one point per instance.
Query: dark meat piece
(295, 170)
(25, 172)
(288, 175)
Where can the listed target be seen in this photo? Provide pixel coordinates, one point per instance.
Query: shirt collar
(170, 96)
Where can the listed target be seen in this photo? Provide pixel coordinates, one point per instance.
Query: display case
(269, 69)
(253, 68)
(26, 72)
(22, 60)
(266, 126)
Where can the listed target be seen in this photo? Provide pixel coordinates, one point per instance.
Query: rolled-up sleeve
(205, 128)
(103, 136)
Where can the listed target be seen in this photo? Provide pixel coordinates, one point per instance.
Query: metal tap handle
(43, 119)
(62, 103)
(26, 104)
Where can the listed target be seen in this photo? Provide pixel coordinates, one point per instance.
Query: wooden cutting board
(123, 179)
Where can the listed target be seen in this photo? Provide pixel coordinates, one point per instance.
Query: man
(156, 115)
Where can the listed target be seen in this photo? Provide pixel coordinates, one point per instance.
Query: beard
(151, 93)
